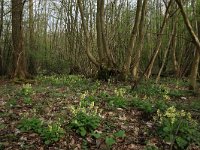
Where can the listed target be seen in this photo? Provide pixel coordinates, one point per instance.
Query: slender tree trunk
(87, 38)
(132, 40)
(195, 38)
(140, 45)
(19, 68)
(188, 25)
(1, 29)
(174, 57)
(99, 35)
(32, 59)
(159, 42)
(195, 64)
(166, 51)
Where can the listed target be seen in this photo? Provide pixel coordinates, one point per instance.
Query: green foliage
(84, 123)
(151, 147)
(50, 133)
(120, 134)
(144, 105)
(75, 82)
(147, 105)
(31, 124)
(26, 90)
(11, 102)
(177, 128)
(118, 102)
(86, 117)
(110, 141)
(151, 90)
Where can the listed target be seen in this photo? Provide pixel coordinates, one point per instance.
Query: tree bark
(159, 42)
(131, 45)
(1, 29)
(166, 51)
(87, 38)
(188, 25)
(32, 59)
(19, 68)
(140, 45)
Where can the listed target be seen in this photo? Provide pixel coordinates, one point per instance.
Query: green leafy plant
(84, 123)
(177, 128)
(149, 106)
(86, 117)
(144, 105)
(31, 124)
(117, 101)
(50, 133)
(11, 102)
(109, 139)
(26, 90)
(152, 90)
(151, 147)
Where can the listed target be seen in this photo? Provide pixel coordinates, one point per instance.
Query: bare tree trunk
(174, 57)
(19, 68)
(195, 38)
(188, 25)
(128, 54)
(140, 45)
(32, 59)
(99, 34)
(195, 64)
(1, 29)
(159, 42)
(166, 51)
(87, 38)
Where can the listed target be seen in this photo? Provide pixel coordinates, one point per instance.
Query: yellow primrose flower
(182, 113)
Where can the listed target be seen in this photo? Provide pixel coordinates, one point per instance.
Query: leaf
(47, 142)
(181, 142)
(120, 134)
(96, 135)
(82, 131)
(110, 141)
(166, 129)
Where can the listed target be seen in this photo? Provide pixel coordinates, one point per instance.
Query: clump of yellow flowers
(173, 114)
(120, 92)
(86, 107)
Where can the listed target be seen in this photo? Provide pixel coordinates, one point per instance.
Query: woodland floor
(52, 97)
